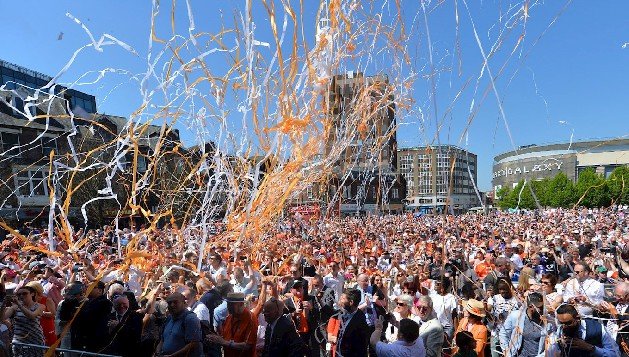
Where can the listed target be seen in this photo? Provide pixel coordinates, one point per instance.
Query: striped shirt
(27, 330)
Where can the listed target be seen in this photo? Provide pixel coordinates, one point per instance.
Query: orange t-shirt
(482, 269)
(241, 329)
(303, 322)
(480, 333)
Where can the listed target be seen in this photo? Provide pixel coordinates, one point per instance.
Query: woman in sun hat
(473, 323)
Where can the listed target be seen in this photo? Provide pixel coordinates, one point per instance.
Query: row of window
(15, 79)
(347, 192)
(32, 183)
(10, 143)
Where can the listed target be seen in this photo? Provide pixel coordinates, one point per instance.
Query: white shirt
(592, 289)
(443, 306)
(202, 312)
(401, 349)
(335, 283)
(242, 286)
(215, 273)
(501, 308)
(391, 332)
(517, 261)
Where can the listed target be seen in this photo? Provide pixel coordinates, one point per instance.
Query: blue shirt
(220, 315)
(179, 331)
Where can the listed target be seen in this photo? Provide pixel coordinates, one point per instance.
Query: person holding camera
(577, 336)
(303, 310)
(25, 313)
(445, 305)
(584, 291)
(619, 316)
(408, 342)
(523, 333)
(404, 304)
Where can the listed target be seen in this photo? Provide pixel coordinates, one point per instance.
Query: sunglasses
(23, 293)
(569, 323)
(401, 304)
(546, 282)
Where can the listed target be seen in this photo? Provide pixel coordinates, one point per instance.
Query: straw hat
(475, 307)
(37, 286)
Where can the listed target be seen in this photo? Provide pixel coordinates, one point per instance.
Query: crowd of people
(544, 282)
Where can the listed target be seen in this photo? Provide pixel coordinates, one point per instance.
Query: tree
(522, 196)
(542, 191)
(503, 198)
(561, 192)
(591, 189)
(519, 197)
(618, 184)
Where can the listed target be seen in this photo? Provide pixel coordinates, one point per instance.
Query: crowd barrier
(19, 346)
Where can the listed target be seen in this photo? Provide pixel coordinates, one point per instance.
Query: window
(309, 192)
(141, 163)
(85, 104)
(48, 144)
(32, 183)
(10, 141)
(396, 193)
(347, 192)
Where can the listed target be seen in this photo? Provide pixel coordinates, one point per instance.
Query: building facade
(364, 180)
(37, 134)
(439, 178)
(34, 125)
(535, 162)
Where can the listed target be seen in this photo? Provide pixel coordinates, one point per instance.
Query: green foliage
(561, 192)
(618, 184)
(542, 192)
(590, 190)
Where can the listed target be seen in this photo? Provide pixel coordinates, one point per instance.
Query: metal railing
(21, 345)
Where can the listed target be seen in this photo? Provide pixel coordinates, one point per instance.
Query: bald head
(272, 310)
(363, 280)
(176, 303)
(121, 304)
(621, 291)
(203, 285)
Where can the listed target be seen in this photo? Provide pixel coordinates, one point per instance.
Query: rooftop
(576, 147)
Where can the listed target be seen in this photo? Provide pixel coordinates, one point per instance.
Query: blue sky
(574, 72)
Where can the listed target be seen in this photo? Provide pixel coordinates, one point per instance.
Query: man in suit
(430, 330)
(305, 315)
(125, 328)
(353, 339)
(280, 338)
(91, 322)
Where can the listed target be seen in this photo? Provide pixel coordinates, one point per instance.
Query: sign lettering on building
(525, 169)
